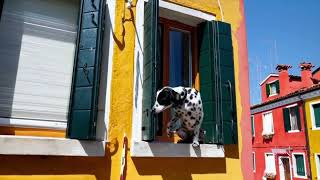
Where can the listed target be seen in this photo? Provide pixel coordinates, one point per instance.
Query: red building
(278, 125)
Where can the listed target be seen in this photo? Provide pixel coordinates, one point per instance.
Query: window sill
(315, 128)
(157, 149)
(271, 95)
(301, 177)
(293, 131)
(24, 145)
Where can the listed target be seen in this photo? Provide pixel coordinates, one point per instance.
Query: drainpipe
(306, 133)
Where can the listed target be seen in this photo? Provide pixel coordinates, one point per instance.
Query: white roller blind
(37, 44)
(267, 124)
(270, 164)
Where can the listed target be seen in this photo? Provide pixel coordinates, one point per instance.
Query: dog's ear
(175, 96)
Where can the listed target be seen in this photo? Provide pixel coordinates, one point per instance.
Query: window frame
(153, 149)
(254, 162)
(295, 165)
(317, 162)
(274, 158)
(263, 115)
(313, 121)
(269, 84)
(279, 161)
(290, 107)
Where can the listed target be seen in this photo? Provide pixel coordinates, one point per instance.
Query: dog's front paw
(195, 144)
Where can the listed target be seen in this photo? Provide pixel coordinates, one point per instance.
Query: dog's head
(166, 97)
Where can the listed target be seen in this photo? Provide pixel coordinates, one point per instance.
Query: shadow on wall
(100, 167)
(183, 168)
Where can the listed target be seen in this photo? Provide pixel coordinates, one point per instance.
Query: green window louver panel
(150, 61)
(268, 89)
(85, 88)
(316, 110)
(217, 84)
(277, 87)
(286, 119)
(252, 126)
(300, 165)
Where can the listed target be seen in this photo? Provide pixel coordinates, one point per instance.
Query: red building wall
(281, 139)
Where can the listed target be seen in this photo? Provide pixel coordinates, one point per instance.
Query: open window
(273, 88)
(214, 63)
(291, 116)
(50, 55)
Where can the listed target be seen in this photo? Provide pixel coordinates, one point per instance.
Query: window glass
(293, 119)
(273, 89)
(300, 171)
(316, 110)
(179, 59)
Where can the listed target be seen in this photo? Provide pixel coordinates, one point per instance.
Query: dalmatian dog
(188, 112)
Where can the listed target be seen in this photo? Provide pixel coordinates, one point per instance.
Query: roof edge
(276, 75)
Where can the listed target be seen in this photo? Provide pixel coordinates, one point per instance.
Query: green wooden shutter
(296, 109)
(217, 83)
(277, 87)
(252, 125)
(150, 60)
(268, 89)
(316, 109)
(84, 95)
(300, 165)
(286, 119)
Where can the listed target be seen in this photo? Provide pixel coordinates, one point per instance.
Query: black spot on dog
(199, 102)
(196, 91)
(189, 104)
(189, 91)
(193, 117)
(186, 101)
(182, 94)
(193, 109)
(191, 96)
(194, 104)
(199, 109)
(184, 123)
(199, 117)
(189, 113)
(197, 122)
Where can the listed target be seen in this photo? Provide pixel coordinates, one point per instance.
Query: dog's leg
(195, 142)
(170, 126)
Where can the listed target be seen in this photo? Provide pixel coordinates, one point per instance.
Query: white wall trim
(313, 121)
(279, 161)
(254, 162)
(292, 105)
(295, 165)
(145, 149)
(33, 123)
(186, 10)
(270, 75)
(23, 145)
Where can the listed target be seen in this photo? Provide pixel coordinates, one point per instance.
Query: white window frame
(317, 161)
(313, 121)
(289, 107)
(141, 148)
(279, 161)
(272, 121)
(253, 125)
(29, 145)
(254, 161)
(295, 165)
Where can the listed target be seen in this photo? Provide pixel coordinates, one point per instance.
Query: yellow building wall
(314, 137)
(232, 167)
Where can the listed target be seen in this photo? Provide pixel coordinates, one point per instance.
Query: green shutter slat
(286, 119)
(217, 83)
(268, 90)
(150, 60)
(296, 109)
(316, 109)
(84, 94)
(300, 165)
(277, 87)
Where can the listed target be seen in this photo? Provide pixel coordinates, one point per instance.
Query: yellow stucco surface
(314, 137)
(120, 122)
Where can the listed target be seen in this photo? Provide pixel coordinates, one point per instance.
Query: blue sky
(280, 32)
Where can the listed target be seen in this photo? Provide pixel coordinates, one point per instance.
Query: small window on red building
(291, 116)
(273, 88)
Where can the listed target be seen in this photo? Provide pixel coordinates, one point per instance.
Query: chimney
(306, 74)
(284, 78)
